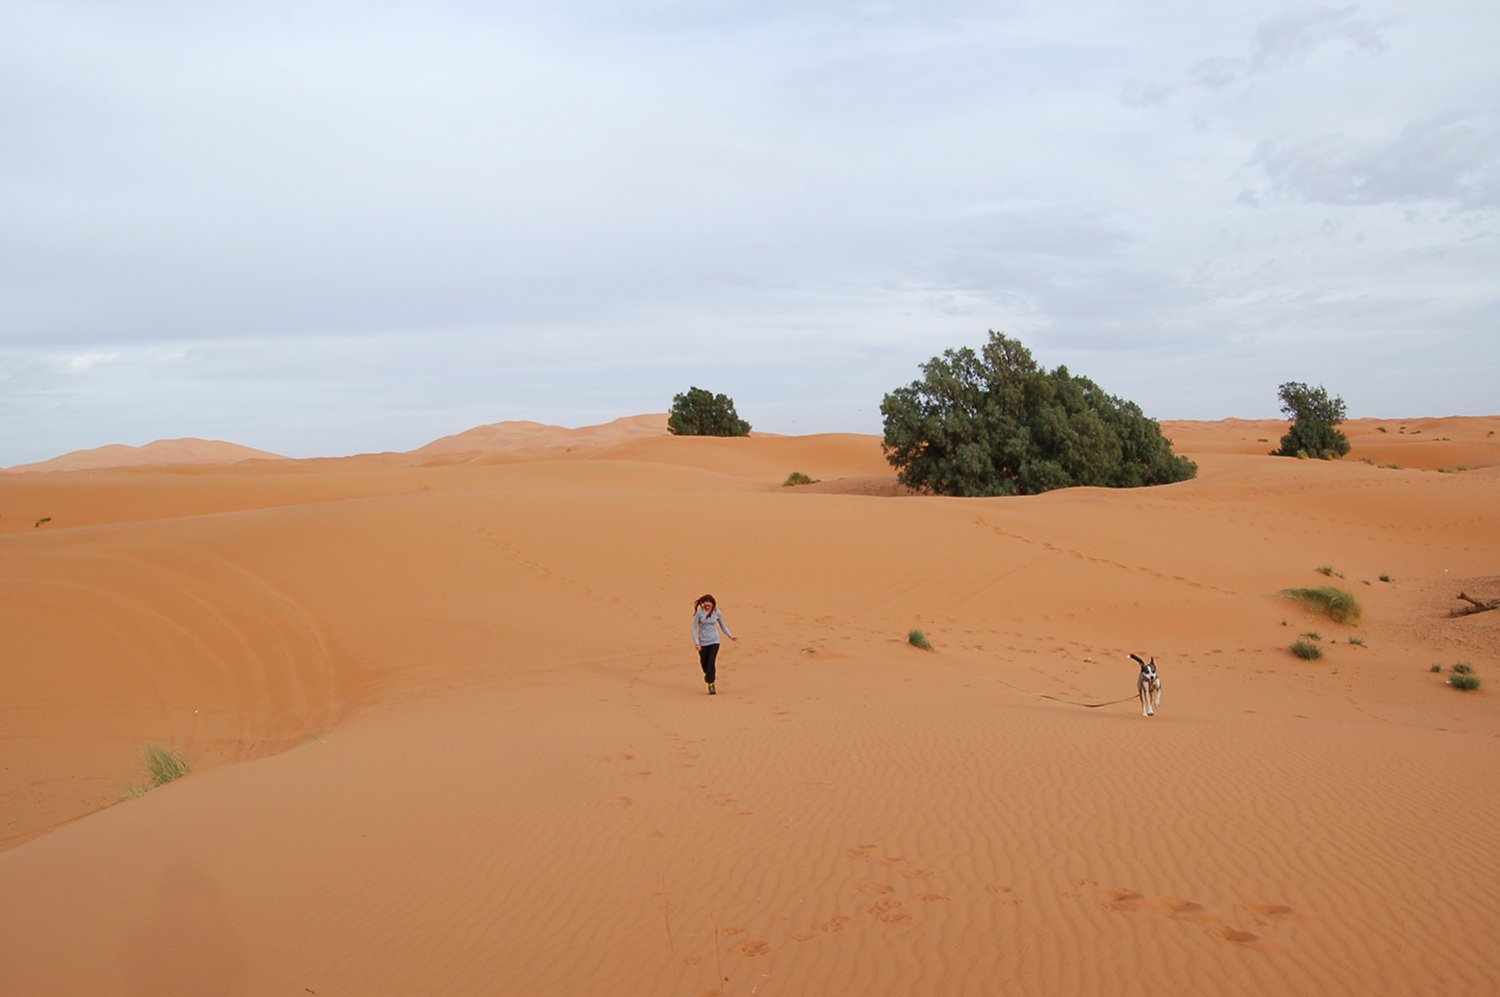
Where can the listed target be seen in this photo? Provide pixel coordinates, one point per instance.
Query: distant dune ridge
(162, 453)
(448, 735)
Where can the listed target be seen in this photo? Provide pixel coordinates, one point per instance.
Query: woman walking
(707, 622)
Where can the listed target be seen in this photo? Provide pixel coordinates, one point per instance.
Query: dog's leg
(1144, 691)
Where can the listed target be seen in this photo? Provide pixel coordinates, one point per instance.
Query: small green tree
(1314, 417)
(995, 423)
(697, 412)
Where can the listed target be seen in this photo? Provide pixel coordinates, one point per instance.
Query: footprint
(1125, 900)
(834, 923)
(931, 897)
(876, 889)
(1236, 935)
(998, 888)
(754, 947)
(1189, 910)
(1270, 910)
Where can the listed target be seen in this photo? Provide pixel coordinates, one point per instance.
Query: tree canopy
(699, 412)
(1314, 417)
(996, 423)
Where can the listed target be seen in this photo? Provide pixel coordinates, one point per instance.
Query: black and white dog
(1148, 686)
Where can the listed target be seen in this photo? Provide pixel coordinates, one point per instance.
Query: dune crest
(524, 437)
(161, 453)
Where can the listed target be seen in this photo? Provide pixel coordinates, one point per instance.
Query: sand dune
(162, 453)
(448, 734)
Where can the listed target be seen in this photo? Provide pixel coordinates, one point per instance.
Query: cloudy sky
(323, 228)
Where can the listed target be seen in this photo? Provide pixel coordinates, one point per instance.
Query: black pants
(708, 654)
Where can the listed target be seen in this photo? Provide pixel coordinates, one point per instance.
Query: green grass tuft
(1307, 650)
(164, 766)
(918, 639)
(798, 478)
(1338, 605)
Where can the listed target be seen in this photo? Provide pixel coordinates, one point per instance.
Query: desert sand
(448, 735)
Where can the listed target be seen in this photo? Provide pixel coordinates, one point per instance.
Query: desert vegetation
(996, 423)
(1315, 417)
(162, 766)
(1338, 605)
(700, 412)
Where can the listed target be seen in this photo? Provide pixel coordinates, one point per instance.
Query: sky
(325, 228)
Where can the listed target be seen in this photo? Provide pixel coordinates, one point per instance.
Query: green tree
(996, 423)
(1314, 417)
(697, 412)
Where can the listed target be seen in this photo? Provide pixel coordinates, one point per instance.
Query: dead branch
(1475, 605)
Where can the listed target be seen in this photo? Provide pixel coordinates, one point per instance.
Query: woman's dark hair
(705, 598)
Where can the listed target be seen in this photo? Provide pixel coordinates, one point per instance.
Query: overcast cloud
(329, 228)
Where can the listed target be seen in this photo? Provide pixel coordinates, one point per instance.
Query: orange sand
(448, 733)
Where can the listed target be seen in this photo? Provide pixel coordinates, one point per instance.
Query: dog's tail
(1137, 659)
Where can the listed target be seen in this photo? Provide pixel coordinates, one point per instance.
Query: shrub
(1314, 416)
(995, 423)
(1338, 605)
(698, 412)
(1307, 650)
(918, 639)
(798, 478)
(1436, 668)
(1464, 681)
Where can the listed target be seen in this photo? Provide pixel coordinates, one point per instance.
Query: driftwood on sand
(1475, 605)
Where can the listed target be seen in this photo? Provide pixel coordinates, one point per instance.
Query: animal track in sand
(876, 889)
(1189, 910)
(1192, 912)
(835, 923)
(859, 852)
(1125, 900)
(755, 947)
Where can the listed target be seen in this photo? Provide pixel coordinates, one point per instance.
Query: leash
(1070, 702)
(1087, 706)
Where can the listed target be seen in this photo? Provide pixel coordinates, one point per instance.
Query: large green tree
(996, 423)
(1315, 417)
(699, 412)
